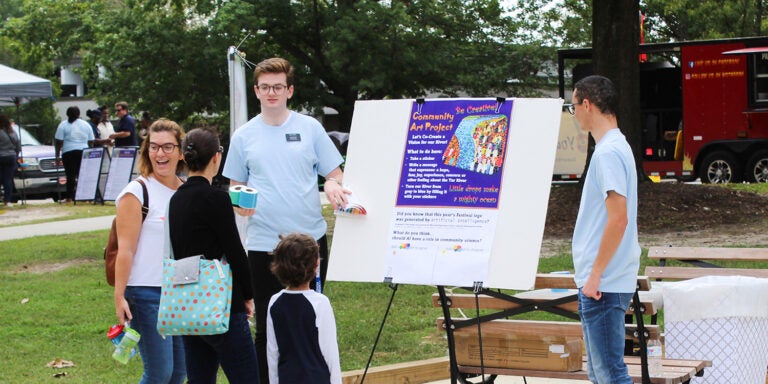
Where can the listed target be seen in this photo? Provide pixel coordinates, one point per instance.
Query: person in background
(144, 123)
(71, 137)
(94, 118)
(139, 264)
(301, 328)
(93, 122)
(125, 133)
(105, 128)
(606, 251)
(201, 222)
(10, 146)
(280, 153)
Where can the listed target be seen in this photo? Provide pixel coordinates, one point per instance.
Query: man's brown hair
(274, 65)
(122, 105)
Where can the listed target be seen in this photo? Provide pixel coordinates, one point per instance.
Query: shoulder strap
(14, 142)
(168, 251)
(145, 206)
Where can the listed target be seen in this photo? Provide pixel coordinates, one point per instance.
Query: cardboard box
(507, 350)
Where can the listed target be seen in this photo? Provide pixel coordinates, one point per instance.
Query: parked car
(38, 176)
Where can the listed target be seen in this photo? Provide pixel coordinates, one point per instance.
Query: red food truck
(704, 107)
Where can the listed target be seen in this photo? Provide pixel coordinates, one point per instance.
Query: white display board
(89, 174)
(458, 231)
(572, 146)
(120, 171)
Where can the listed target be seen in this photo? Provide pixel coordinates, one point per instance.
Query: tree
(157, 55)
(47, 33)
(367, 49)
(615, 52)
(681, 20)
(160, 58)
(168, 56)
(8, 9)
(558, 23)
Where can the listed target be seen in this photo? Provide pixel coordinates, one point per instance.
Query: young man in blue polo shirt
(280, 153)
(606, 252)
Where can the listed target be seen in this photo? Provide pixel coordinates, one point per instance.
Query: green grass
(66, 313)
(759, 188)
(68, 309)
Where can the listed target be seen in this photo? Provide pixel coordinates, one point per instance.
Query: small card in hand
(353, 208)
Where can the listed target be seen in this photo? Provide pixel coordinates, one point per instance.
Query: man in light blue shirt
(606, 252)
(280, 153)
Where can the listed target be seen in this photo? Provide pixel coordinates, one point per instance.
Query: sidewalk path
(56, 228)
(69, 226)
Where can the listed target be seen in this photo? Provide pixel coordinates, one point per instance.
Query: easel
(378, 163)
(90, 175)
(121, 170)
(523, 306)
(381, 328)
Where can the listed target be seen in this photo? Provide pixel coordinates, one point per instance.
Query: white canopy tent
(15, 88)
(16, 85)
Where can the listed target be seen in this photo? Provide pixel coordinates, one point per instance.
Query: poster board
(120, 171)
(106, 162)
(572, 144)
(89, 174)
(362, 247)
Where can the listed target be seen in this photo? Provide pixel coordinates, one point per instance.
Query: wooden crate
(509, 350)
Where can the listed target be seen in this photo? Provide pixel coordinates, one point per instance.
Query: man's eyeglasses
(572, 107)
(278, 89)
(167, 148)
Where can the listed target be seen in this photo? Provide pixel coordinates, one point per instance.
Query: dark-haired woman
(202, 222)
(10, 146)
(72, 136)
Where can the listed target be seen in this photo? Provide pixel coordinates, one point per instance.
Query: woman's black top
(202, 222)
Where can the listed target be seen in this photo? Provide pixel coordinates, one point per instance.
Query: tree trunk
(615, 55)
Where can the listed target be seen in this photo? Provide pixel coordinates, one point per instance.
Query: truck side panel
(714, 97)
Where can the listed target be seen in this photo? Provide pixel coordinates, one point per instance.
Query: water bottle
(655, 368)
(560, 290)
(125, 348)
(318, 284)
(115, 335)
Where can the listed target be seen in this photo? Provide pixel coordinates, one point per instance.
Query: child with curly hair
(301, 328)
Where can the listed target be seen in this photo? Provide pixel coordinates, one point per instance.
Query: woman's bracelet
(337, 181)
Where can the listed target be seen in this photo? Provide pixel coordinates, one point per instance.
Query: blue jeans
(234, 350)
(163, 357)
(603, 324)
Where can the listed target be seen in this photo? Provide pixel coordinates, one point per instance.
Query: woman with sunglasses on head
(139, 264)
(201, 222)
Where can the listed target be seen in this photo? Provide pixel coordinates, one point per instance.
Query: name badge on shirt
(292, 137)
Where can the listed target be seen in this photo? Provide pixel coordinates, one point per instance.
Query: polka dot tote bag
(196, 297)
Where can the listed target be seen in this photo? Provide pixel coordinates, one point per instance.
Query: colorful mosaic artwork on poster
(449, 189)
